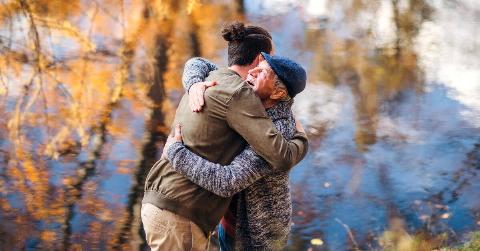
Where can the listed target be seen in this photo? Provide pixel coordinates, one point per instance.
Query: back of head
(245, 42)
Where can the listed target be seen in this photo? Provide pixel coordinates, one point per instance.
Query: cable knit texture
(264, 202)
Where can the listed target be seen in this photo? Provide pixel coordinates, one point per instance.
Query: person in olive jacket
(178, 214)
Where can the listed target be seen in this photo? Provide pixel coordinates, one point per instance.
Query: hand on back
(172, 138)
(195, 95)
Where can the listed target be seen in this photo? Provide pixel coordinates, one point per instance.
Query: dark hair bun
(234, 32)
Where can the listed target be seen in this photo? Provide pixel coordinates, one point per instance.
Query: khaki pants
(166, 231)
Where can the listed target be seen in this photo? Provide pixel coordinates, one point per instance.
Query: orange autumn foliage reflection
(73, 76)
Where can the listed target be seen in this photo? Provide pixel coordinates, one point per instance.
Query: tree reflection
(375, 74)
(88, 90)
(75, 80)
(380, 76)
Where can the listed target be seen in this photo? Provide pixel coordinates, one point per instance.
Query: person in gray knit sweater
(262, 202)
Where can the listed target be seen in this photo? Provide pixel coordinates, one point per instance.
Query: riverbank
(472, 245)
(395, 240)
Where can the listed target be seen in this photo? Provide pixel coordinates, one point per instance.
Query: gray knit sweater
(264, 205)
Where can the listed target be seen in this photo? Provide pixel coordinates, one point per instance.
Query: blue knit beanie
(291, 73)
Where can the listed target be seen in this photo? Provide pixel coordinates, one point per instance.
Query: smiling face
(262, 79)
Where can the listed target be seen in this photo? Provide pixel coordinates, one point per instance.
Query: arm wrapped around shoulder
(247, 116)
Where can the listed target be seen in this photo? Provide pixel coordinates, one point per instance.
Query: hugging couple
(228, 158)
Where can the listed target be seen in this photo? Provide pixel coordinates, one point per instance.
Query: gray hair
(280, 85)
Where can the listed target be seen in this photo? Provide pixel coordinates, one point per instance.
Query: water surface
(392, 109)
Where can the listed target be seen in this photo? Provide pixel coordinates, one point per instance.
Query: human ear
(278, 94)
(259, 58)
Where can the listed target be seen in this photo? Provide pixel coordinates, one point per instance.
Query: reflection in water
(88, 123)
(88, 91)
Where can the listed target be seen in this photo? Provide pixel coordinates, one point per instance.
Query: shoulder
(229, 85)
(225, 78)
(245, 99)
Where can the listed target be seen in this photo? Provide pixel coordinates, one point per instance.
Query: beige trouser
(166, 231)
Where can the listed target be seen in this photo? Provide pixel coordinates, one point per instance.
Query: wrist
(191, 82)
(173, 149)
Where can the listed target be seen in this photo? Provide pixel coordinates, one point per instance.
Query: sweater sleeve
(224, 181)
(196, 70)
(246, 115)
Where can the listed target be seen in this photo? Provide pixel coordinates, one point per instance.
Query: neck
(241, 70)
(269, 103)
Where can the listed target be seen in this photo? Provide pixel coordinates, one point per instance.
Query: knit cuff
(173, 149)
(191, 82)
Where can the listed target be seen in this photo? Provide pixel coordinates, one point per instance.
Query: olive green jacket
(232, 117)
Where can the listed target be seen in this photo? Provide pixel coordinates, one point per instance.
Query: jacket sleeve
(196, 70)
(246, 115)
(224, 181)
